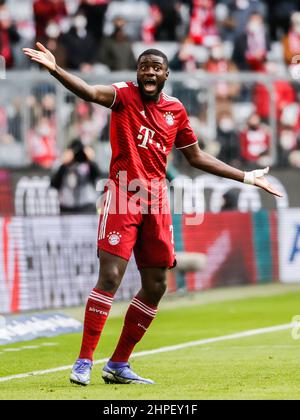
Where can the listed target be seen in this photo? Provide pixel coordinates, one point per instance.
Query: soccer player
(145, 125)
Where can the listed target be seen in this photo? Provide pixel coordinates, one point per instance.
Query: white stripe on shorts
(105, 215)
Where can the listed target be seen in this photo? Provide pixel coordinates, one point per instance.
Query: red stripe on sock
(96, 314)
(137, 321)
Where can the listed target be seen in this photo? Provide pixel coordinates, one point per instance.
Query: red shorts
(150, 236)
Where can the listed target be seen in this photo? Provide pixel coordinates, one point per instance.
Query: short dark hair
(153, 51)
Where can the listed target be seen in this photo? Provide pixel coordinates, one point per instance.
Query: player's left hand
(261, 181)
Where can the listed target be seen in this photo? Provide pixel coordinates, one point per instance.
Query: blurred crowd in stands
(218, 37)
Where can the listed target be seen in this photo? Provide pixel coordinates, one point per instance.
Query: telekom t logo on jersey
(146, 134)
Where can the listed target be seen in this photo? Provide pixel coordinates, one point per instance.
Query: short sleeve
(185, 135)
(122, 91)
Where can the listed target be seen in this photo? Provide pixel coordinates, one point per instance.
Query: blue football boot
(81, 372)
(121, 373)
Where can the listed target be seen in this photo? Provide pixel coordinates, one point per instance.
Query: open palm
(41, 56)
(262, 182)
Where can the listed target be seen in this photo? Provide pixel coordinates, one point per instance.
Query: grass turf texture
(259, 367)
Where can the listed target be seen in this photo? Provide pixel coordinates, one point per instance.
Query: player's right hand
(43, 56)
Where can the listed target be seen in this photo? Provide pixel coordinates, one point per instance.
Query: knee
(161, 281)
(163, 287)
(109, 279)
(157, 286)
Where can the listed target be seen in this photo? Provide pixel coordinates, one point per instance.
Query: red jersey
(254, 143)
(143, 133)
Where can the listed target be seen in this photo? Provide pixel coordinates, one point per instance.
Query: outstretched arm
(202, 160)
(100, 94)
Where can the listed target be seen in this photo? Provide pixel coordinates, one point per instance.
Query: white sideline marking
(235, 336)
(13, 349)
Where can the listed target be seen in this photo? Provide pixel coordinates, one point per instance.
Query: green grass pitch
(259, 367)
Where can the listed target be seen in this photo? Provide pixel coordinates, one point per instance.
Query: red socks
(96, 313)
(138, 318)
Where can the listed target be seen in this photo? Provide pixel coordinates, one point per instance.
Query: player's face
(152, 74)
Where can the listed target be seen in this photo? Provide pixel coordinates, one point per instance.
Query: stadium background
(222, 68)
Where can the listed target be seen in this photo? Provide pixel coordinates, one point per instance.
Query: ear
(167, 74)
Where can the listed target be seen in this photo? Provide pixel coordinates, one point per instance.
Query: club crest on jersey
(114, 238)
(169, 117)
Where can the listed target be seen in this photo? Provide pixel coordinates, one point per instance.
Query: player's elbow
(93, 95)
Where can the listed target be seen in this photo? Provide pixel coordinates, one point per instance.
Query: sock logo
(142, 326)
(97, 311)
(114, 238)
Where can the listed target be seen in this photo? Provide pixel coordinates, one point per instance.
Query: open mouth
(150, 86)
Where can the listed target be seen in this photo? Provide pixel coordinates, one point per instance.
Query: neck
(155, 99)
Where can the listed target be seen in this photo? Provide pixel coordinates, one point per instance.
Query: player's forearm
(73, 83)
(212, 165)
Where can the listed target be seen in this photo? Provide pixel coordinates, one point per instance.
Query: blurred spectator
(42, 143)
(225, 92)
(162, 22)
(54, 43)
(279, 12)
(8, 35)
(255, 143)
(203, 28)
(75, 179)
(42, 103)
(227, 138)
(150, 24)
(48, 105)
(15, 119)
(284, 93)
(169, 19)
(79, 44)
(236, 14)
(116, 50)
(11, 121)
(94, 11)
(289, 140)
(46, 11)
(88, 122)
(251, 47)
(291, 42)
(185, 59)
